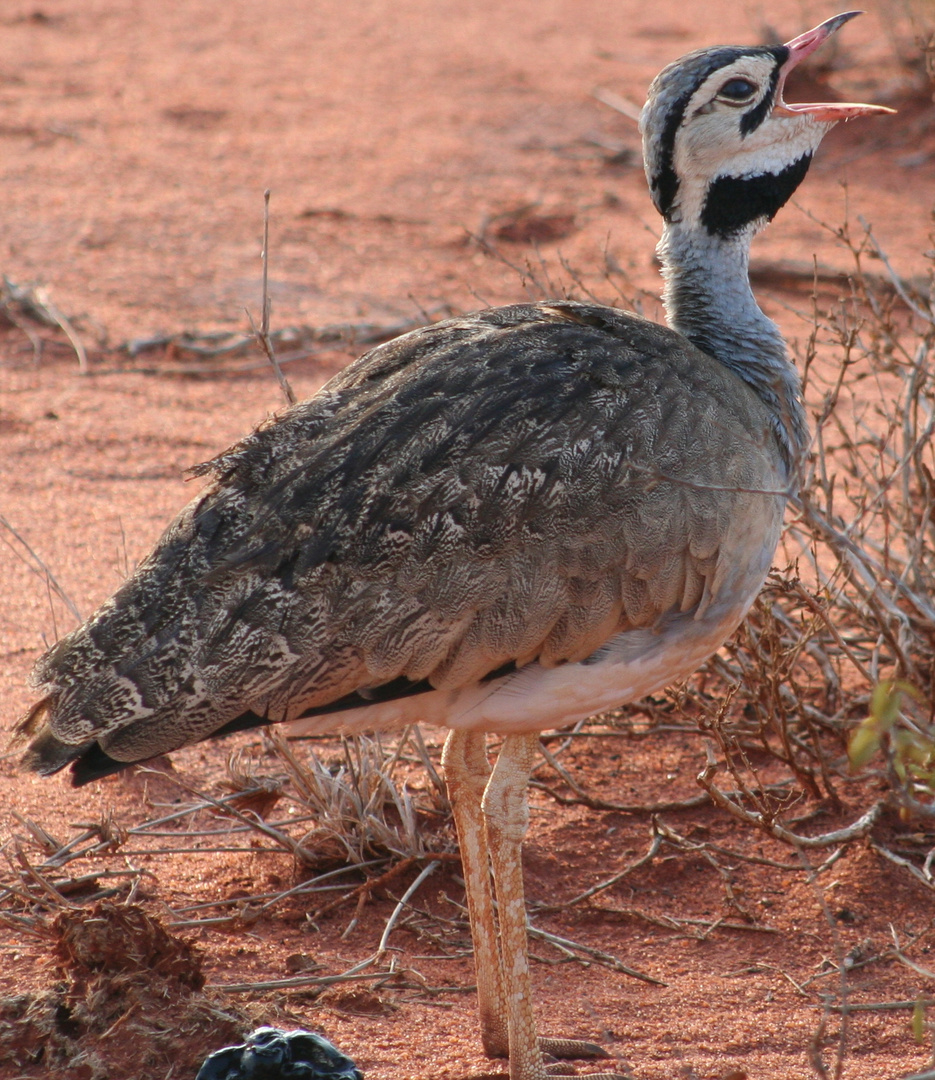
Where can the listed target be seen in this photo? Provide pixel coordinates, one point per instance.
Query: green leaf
(885, 702)
(865, 742)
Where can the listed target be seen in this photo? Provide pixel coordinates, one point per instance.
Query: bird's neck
(708, 299)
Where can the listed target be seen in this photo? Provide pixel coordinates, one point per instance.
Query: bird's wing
(512, 486)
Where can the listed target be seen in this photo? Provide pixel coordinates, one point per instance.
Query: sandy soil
(135, 144)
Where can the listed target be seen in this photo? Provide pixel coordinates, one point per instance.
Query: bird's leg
(467, 771)
(506, 810)
(507, 815)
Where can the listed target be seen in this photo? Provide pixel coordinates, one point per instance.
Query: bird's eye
(737, 90)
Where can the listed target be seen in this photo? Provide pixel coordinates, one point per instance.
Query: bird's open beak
(804, 45)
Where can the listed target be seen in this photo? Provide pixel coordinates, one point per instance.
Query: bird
(499, 523)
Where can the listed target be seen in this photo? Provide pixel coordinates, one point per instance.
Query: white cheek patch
(780, 140)
(706, 150)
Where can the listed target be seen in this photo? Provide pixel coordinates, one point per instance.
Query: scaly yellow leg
(467, 771)
(506, 810)
(491, 816)
(507, 815)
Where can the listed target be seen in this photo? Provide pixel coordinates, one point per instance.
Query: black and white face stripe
(752, 118)
(671, 96)
(697, 108)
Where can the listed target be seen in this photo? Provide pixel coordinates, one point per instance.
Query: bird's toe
(566, 1070)
(573, 1049)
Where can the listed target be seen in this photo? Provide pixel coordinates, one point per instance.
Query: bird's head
(723, 150)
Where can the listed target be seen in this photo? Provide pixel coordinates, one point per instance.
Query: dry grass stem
(262, 335)
(597, 955)
(25, 553)
(21, 304)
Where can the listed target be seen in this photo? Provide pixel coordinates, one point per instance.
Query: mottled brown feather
(520, 484)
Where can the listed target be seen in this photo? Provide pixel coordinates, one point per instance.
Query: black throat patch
(733, 202)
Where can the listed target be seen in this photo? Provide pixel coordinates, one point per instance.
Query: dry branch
(761, 819)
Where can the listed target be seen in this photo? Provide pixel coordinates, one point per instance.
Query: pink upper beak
(804, 45)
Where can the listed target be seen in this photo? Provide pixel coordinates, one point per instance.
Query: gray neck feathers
(708, 299)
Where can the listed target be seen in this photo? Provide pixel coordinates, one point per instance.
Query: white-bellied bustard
(499, 523)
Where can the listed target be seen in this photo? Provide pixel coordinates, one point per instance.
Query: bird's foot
(571, 1049)
(575, 1049)
(567, 1070)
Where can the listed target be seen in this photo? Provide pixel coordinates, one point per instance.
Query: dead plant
(361, 806)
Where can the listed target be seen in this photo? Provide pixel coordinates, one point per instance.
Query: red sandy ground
(135, 143)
